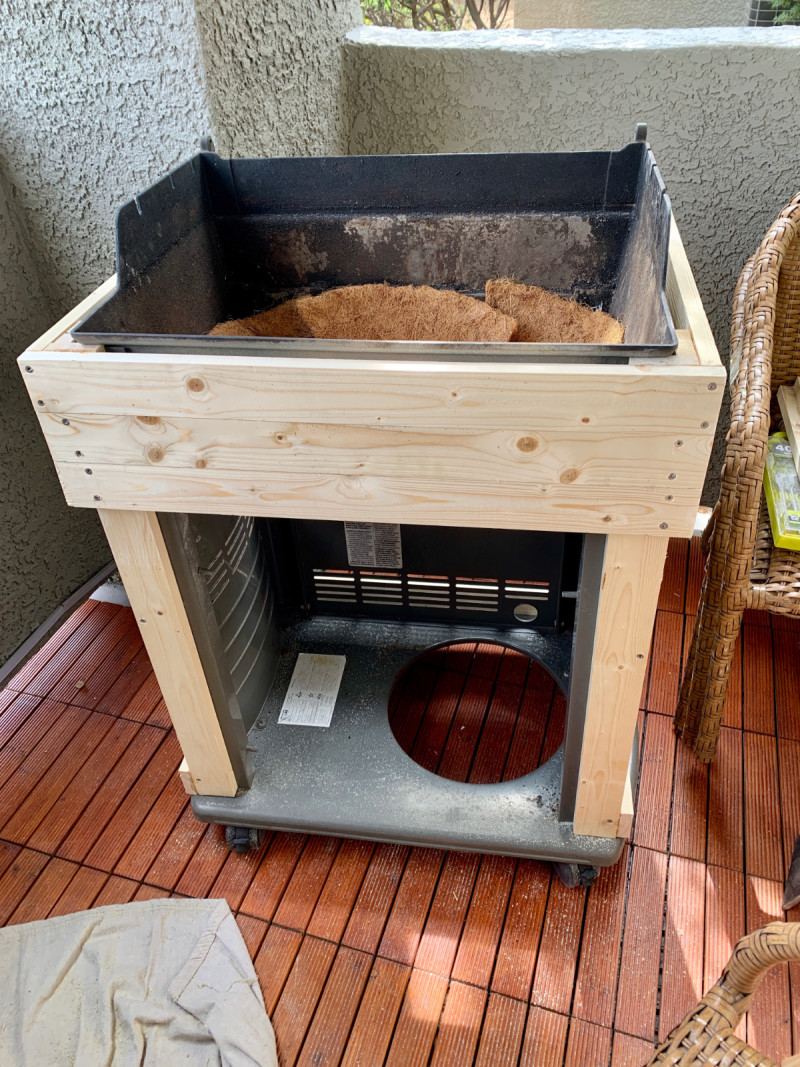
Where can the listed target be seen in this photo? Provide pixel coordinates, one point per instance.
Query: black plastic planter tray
(221, 238)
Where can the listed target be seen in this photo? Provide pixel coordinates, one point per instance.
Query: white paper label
(312, 690)
(374, 544)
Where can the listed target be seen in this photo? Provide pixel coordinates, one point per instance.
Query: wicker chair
(744, 569)
(706, 1037)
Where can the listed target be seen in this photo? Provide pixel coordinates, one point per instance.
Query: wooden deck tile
(37, 802)
(689, 805)
(154, 832)
(474, 962)
(19, 876)
(203, 868)
(684, 935)
(39, 659)
(762, 835)
(8, 853)
(694, 576)
(525, 751)
(159, 716)
(93, 673)
(17, 712)
(495, 740)
(253, 932)
(545, 1039)
(558, 950)
(377, 1014)
(596, 983)
(502, 1033)
(237, 873)
(630, 1051)
(641, 945)
(409, 912)
(459, 657)
(110, 795)
(488, 657)
(140, 706)
(519, 942)
(31, 764)
(411, 704)
(115, 891)
(330, 1029)
(587, 1043)
(128, 681)
(151, 892)
(666, 658)
(445, 922)
(725, 923)
(432, 736)
(789, 791)
(733, 714)
(307, 881)
(93, 769)
(652, 812)
(376, 897)
(176, 852)
(769, 1020)
(273, 875)
(274, 962)
(131, 813)
(758, 700)
(786, 645)
(80, 893)
(672, 594)
(465, 730)
(460, 1026)
(725, 846)
(44, 893)
(53, 669)
(342, 886)
(513, 668)
(418, 1021)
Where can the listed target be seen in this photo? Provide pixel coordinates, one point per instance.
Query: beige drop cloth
(159, 984)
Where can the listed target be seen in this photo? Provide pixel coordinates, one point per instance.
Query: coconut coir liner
(379, 313)
(544, 316)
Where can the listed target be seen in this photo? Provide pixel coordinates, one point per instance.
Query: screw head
(29, 370)
(679, 444)
(65, 422)
(672, 476)
(704, 425)
(97, 497)
(663, 525)
(88, 470)
(40, 403)
(712, 386)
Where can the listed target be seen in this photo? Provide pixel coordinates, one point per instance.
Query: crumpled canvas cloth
(159, 984)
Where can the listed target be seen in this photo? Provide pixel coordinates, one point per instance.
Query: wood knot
(155, 453)
(586, 419)
(196, 385)
(606, 518)
(148, 420)
(569, 475)
(527, 444)
(200, 463)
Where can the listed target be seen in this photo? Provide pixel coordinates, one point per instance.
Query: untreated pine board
(631, 578)
(144, 565)
(684, 301)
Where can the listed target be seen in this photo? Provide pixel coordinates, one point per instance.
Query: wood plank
(790, 413)
(327, 1037)
(665, 673)
(631, 579)
(630, 1051)
(115, 891)
(769, 1020)
(474, 962)
(332, 910)
(638, 980)
(307, 881)
(522, 929)
(725, 802)
(684, 945)
(559, 947)
(725, 923)
(410, 908)
(53, 669)
(237, 873)
(684, 301)
(545, 1039)
(689, 805)
(786, 645)
(465, 730)
(80, 893)
(377, 1014)
(73, 317)
(44, 893)
(653, 806)
(502, 1033)
(274, 873)
(203, 868)
(434, 729)
(588, 1043)
(672, 594)
(128, 681)
(598, 970)
(154, 832)
(762, 821)
(460, 1026)
(789, 793)
(17, 880)
(298, 1001)
(445, 923)
(253, 932)
(758, 704)
(78, 685)
(274, 962)
(418, 1021)
(498, 731)
(144, 565)
(29, 671)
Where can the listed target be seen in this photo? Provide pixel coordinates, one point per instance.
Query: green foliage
(436, 14)
(788, 12)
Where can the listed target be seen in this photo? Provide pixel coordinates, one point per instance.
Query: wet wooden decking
(382, 954)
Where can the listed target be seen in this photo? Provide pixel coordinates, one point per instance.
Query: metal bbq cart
(296, 519)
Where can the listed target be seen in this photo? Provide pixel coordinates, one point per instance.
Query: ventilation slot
(335, 587)
(428, 592)
(526, 590)
(477, 595)
(381, 590)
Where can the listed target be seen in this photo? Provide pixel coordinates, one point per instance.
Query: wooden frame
(617, 450)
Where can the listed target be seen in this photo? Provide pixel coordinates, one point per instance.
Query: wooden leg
(146, 570)
(632, 573)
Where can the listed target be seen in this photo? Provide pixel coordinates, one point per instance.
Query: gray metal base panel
(352, 779)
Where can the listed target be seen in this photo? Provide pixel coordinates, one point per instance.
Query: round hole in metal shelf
(479, 713)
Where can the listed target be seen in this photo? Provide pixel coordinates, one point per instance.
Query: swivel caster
(243, 838)
(576, 874)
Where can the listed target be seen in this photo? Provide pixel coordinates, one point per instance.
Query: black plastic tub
(221, 238)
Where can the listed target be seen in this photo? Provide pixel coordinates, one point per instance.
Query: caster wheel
(576, 874)
(243, 838)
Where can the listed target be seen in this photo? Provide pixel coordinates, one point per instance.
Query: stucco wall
(588, 14)
(274, 73)
(721, 106)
